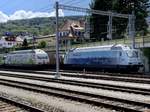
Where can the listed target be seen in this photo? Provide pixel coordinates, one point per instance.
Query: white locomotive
(26, 57)
(110, 57)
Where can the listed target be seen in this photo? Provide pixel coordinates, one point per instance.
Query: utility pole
(110, 27)
(57, 42)
(133, 30)
(131, 25)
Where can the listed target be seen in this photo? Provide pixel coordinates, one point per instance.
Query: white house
(7, 42)
(72, 29)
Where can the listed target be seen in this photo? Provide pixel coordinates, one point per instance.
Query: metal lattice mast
(57, 41)
(131, 25)
(133, 30)
(104, 13)
(110, 27)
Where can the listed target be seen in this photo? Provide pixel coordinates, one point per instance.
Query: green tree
(25, 43)
(42, 44)
(140, 9)
(99, 22)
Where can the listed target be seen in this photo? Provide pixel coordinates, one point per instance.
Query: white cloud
(3, 17)
(21, 14)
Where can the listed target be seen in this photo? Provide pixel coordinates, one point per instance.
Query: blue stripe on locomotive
(93, 61)
(107, 57)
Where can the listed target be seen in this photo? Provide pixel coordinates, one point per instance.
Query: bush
(42, 44)
(25, 43)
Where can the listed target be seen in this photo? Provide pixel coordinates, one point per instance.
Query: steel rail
(84, 84)
(88, 73)
(90, 98)
(21, 105)
(96, 76)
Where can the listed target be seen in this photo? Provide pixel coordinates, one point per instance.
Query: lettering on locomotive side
(77, 54)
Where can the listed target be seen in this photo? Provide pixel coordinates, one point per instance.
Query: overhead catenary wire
(76, 2)
(69, 2)
(44, 9)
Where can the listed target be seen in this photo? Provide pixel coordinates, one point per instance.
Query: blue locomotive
(109, 57)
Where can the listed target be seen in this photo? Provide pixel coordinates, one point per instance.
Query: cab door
(120, 58)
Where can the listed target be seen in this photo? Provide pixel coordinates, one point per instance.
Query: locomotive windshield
(42, 57)
(132, 54)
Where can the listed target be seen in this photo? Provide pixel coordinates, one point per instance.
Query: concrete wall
(146, 59)
(146, 65)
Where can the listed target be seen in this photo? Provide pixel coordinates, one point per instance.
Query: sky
(26, 9)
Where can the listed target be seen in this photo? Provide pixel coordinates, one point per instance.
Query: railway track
(90, 98)
(132, 75)
(134, 90)
(9, 108)
(144, 79)
(115, 77)
(9, 105)
(137, 108)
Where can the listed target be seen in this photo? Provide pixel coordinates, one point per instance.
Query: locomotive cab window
(116, 48)
(4, 57)
(132, 54)
(42, 57)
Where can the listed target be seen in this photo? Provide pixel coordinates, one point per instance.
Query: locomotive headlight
(140, 63)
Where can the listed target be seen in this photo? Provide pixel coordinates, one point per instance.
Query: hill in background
(35, 26)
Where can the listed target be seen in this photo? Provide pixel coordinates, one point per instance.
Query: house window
(60, 34)
(10, 43)
(76, 33)
(79, 33)
(64, 33)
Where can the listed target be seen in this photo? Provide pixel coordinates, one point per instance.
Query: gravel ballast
(49, 103)
(122, 95)
(98, 81)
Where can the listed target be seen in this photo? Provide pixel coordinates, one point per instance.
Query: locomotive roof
(106, 47)
(27, 51)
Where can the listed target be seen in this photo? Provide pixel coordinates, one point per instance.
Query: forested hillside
(36, 26)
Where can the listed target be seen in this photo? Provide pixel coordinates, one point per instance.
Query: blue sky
(26, 9)
(10, 6)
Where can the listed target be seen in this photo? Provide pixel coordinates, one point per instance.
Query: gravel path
(129, 96)
(52, 104)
